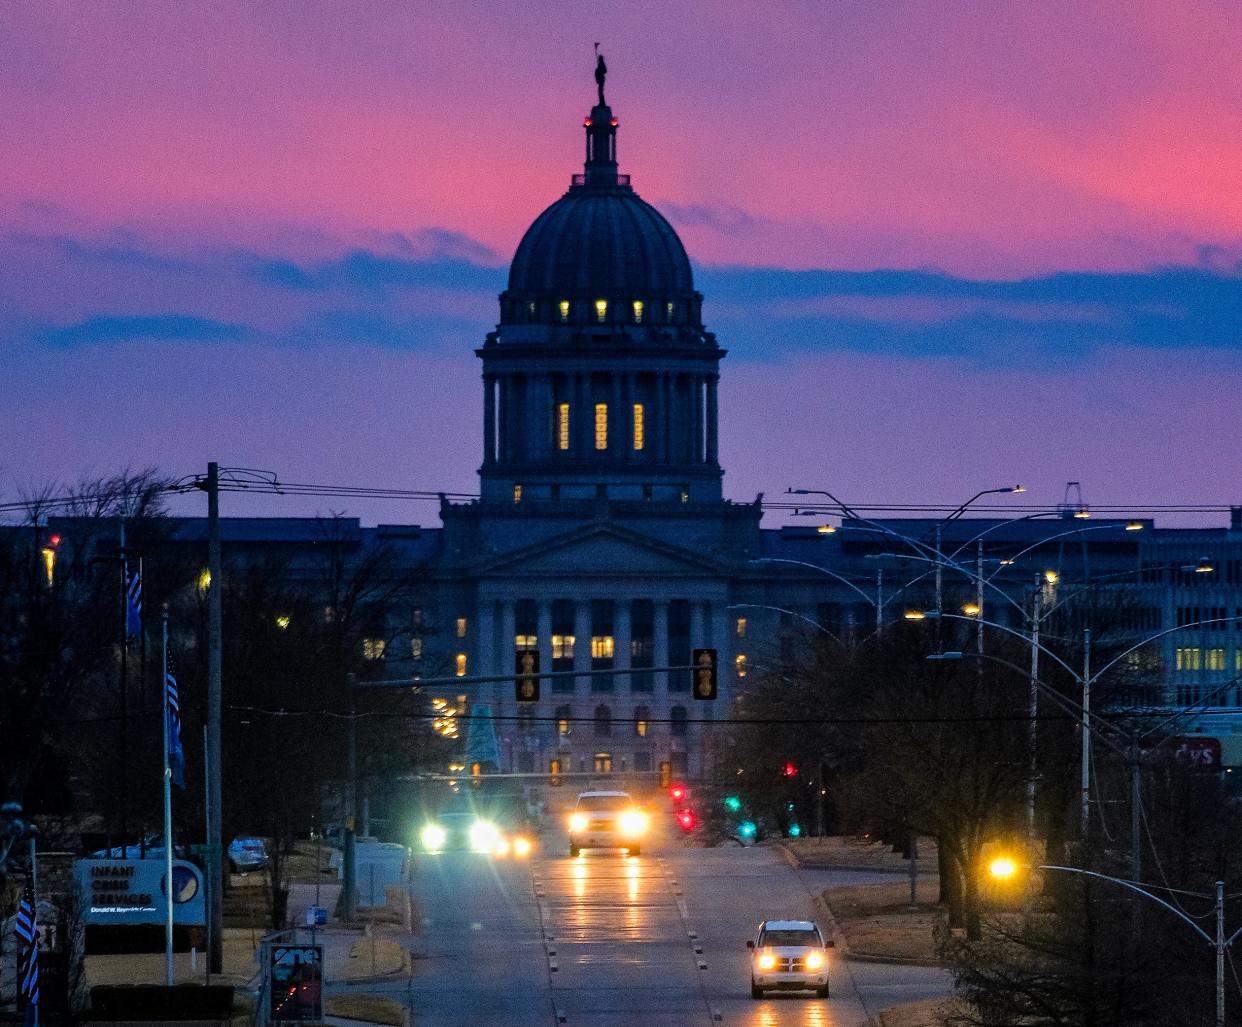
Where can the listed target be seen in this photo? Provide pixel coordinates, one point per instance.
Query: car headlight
(633, 822)
(814, 960)
(521, 847)
(433, 837)
(501, 848)
(483, 836)
(578, 822)
(767, 961)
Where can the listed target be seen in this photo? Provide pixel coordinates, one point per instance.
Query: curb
(865, 957)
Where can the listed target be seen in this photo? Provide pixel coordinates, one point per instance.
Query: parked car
(154, 849)
(247, 855)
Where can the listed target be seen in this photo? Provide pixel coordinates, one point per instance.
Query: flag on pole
(172, 709)
(133, 602)
(28, 956)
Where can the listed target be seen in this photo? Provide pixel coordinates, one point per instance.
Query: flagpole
(34, 917)
(168, 845)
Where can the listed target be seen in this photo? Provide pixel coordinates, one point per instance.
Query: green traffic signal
(733, 804)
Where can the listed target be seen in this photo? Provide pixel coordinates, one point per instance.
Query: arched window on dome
(638, 312)
(670, 310)
(563, 306)
(601, 311)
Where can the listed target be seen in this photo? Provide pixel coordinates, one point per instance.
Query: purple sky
(947, 249)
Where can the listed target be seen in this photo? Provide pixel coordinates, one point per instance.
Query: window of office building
(677, 721)
(563, 643)
(642, 762)
(603, 721)
(603, 644)
(679, 644)
(461, 627)
(739, 661)
(1215, 659)
(459, 665)
(1188, 658)
(416, 648)
(373, 649)
(741, 627)
(601, 425)
(563, 307)
(603, 763)
(640, 428)
(601, 311)
(642, 644)
(562, 426)
(564, 721)
(642, 718)
(638, 312)
(525, 624)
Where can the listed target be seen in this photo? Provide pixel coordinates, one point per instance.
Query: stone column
(660, 645)
(543, 629)
(489, 419)
(713, 444)
(621, 639)
(484, 655)
(627, 418)
(696, 407)
(662, 417)
(505, 649)
(582, 645)
(618, 440)
(698, 625)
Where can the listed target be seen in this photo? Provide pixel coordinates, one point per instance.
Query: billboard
(120, 892)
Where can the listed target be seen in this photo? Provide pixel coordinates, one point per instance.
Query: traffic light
(733, 803)
(789, 770)
(526, 681)
(476, 775)
(666, 773)
(677, 793)
(554, 773)
(686, 819)
(704, 673)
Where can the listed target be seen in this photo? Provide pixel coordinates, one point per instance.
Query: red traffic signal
(686, 819)
(789, 770)
(677, 792)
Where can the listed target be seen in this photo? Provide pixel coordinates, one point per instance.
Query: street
(607, 940)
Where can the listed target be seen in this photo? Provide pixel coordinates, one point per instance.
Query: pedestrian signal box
(554, 773)
(666, 773)
(526, 675)
(704, 672)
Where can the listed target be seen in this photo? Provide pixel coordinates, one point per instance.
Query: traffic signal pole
(215, 849)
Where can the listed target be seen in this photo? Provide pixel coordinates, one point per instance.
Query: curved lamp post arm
(854, 515)
(1161, 634)
(823, 570)
(792, 613)
(1135, 887)
(1017, 634)
(1002, 524)
(954, 566)
(1194, 709)
(1064, 534)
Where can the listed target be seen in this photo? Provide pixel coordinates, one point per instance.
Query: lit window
(416, 648)
(329, 614)
(639, 427)
(283, 621)
(638, 312)
(668, 312)
(562, 647)
(1237, 659)
(601, 311)
(642, 714)
(530, 310)
(564, 305)
(204, 581)
(563, 724)
(49, 563)
(517, 493)
(1216, 659)
(601, 425)
(372, 648)
(461, 627)
(741, 627)
(685, 495)
(459, 665)
(603, 763)
(525, 642)
(739, 661)
(1188, 659)
(602, 647)
(562, 426)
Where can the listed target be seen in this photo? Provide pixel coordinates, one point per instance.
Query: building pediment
(598, 549)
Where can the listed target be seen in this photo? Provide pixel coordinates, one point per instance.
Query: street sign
(297, 983)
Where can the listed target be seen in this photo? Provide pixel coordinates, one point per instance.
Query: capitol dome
(601, 254)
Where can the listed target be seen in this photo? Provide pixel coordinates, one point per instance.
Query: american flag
(28, 956)
(133, 602)
(176, 753)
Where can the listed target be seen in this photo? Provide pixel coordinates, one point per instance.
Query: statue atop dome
(601, 73)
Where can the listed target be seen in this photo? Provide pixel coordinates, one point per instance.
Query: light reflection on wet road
(656, 940)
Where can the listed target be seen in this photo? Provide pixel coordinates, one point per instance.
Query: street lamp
(1005, 869)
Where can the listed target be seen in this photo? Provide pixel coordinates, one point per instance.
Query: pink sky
(155, 154)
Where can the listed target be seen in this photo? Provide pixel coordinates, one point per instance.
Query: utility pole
(1086, 732)
(1033, 726)
(215, 846)
(125, 694)
(349, 860)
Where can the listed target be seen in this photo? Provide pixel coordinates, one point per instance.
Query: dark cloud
(717, 216)
(164, 327)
